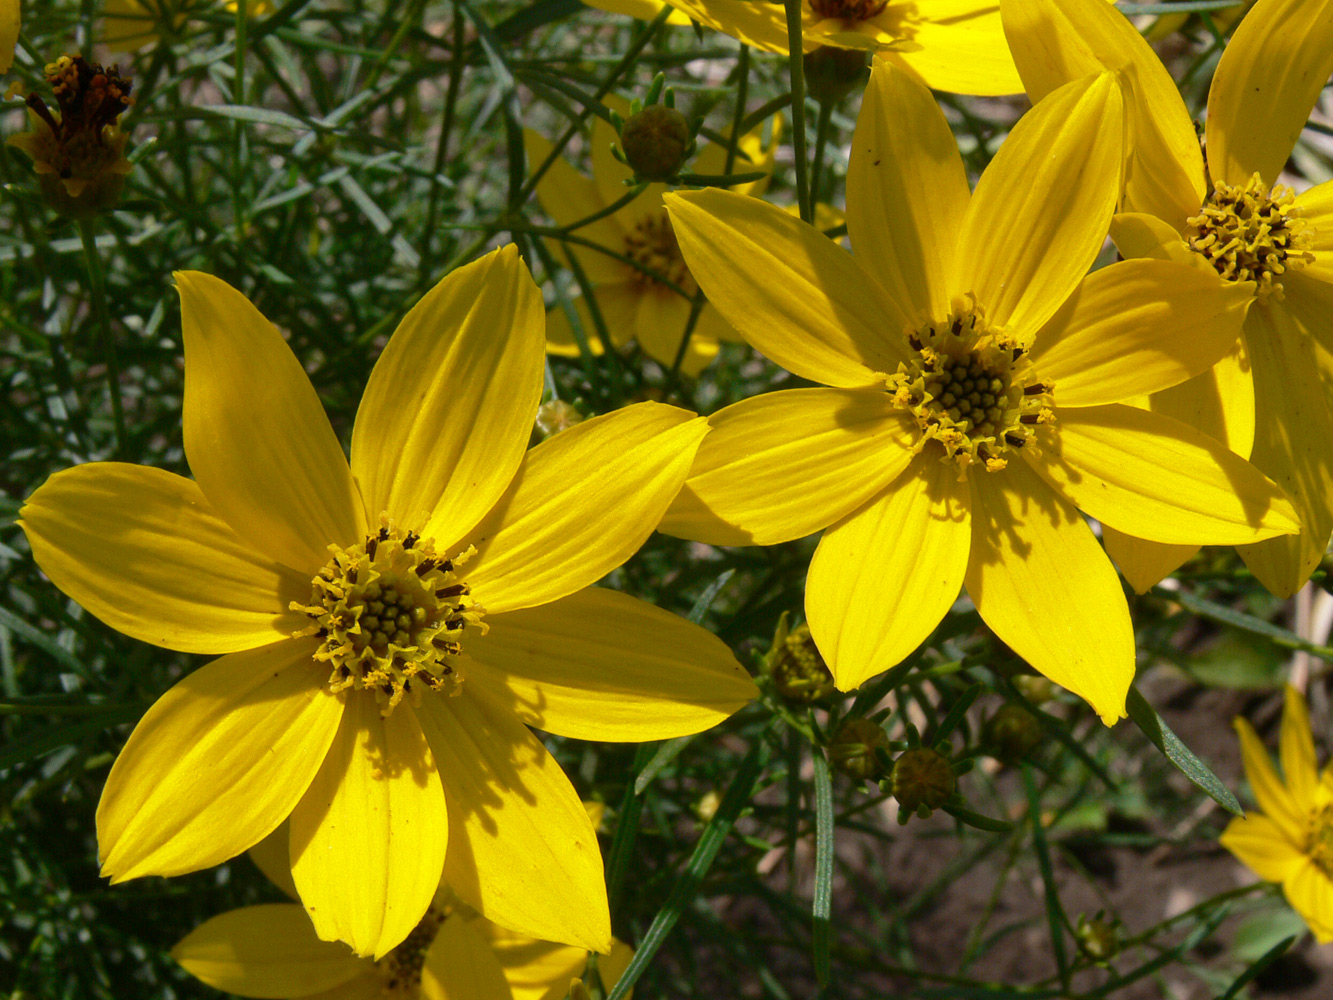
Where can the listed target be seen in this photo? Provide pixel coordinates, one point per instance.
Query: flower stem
(97, 287)
(796, 61)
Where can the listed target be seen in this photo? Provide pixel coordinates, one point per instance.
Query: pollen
(652, 244)
(1319, 839)
(1248, 233)
(849, 10)
(401, 968)
(971, 389)
(390, 614)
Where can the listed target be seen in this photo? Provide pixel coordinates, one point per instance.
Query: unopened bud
(656, 142)
(831, 73)
(799, 673)
(853, 749)
(922, 781)
(1035, 688)
(1097, 938)
(556, 416)
(706, 807)
(1011, 733)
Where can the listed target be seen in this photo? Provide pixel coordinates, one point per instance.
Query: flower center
(89, 99)
(1249, 234)
(401, 968)
(1319, 841)
(653, 245)
(390, 614)
(848, 10)
(971, 389)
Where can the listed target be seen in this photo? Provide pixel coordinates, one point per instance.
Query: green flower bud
(799, 673)
(922, 778)
(1011, 733)
(556, 416)
(1035, 688)
(656, 142)
(831, 72)
(1097, 938)
(852, 749)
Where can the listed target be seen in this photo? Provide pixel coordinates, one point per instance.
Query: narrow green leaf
(1161, 736)
(1239, 619)
(1054, 914)
(823, 903)
(1263, 962)
(707, 598)
(42, 641)
(666, 753)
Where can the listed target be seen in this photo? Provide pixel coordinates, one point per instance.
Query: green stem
(442, 147)
(796, 57)
(821, 142)
(738, 117)
(97, 286)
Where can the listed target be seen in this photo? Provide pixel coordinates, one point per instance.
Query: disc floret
(1319, 838)
(1248, 233)
(971, 388)
(849, 10)
(390, 614)
(653, 245)
(401, 968)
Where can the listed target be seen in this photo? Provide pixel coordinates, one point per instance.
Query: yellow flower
(391, 627)
(953, 45)
(645, 10)
(976, 373)
(1292, 840)
(78, 150)
(272, 951)
(637, 305)
(132, 24)
(1265, 399)
(9, 32)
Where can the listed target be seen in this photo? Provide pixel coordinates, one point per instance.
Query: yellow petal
(272, 856)
(1042, 583)
(522, 850)
(1315, 206)
(1159, 478)
(1266, 83)
(1309, 890)
(884, 576)
(568, 196)
(266, 951)
(582, 503)
(369, 837)
(368, 987)
(783, 465)
(618, 304)
(762, 25)
(1144, 564)
(659, 324)
(540, 970)
(217, 763)
(448, 411)
(1273, 797)
(601, 665)
(789, 290)
(1293, 429)
(1055, 42)
(1046, 199)
(958, 46)
(1137, 327)
(256, 436)
(1262, 847)
(644, 10)
(906, 191)
(1219, 401)
(1296, 750)
(1136, 234)
(142, 550)
(461, 966)
(9, 32)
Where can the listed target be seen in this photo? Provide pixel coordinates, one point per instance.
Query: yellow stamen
(391, 614)
(1249, 234)
(653, 245)
(1319, 839)
(971, 389)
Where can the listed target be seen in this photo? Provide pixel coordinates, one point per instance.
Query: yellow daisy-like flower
(1229, 215)
(1292, 840)
(976, 376)
(9, 33)
(272, 951)
(392, 627)
(133, 24)
(953, 45)
(645, 10)
(77, 149)
(648, 303)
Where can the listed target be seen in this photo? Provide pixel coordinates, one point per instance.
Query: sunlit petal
(1296, 750)
(1274, 799)
(460, 965)
(1262, 846)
